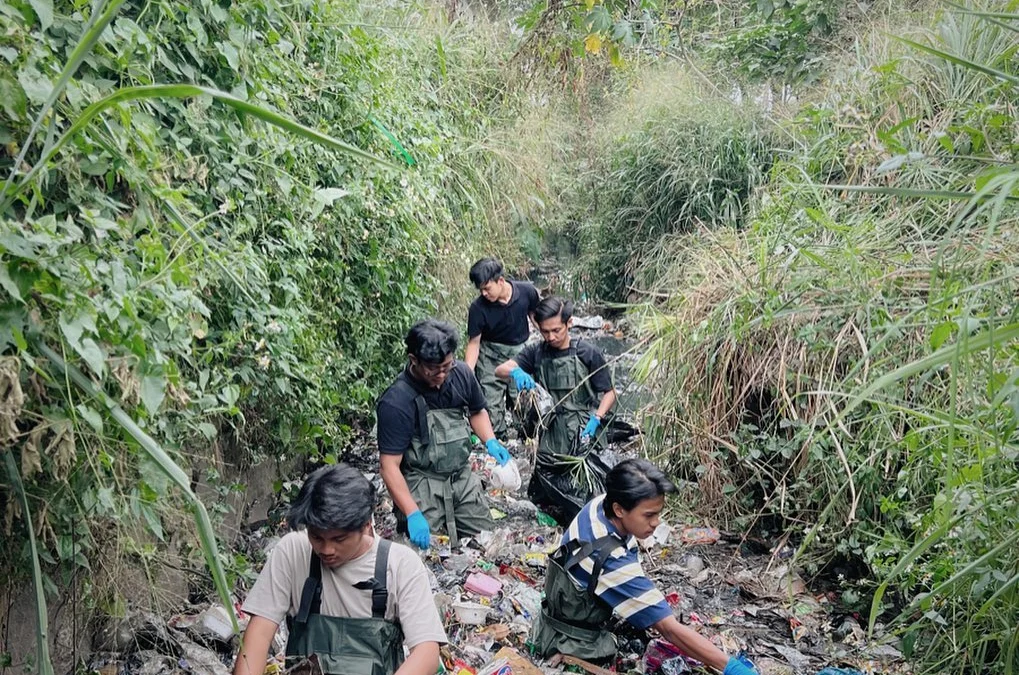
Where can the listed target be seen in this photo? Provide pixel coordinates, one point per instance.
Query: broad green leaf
(8, 284)
(43, 11)
(91, 416)
(93, 354)
(37, 86)
(941, 332)
(230, 53)
(153, 391)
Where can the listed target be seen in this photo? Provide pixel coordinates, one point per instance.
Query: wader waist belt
(574, 631)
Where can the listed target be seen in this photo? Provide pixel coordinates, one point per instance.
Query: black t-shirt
(532, 355)
(395, 411)
(505, 324)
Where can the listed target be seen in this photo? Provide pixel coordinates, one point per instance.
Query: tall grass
(847, 367)
(671, 158)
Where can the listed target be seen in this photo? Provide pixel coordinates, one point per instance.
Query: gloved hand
(739, 666)
(498, 451)
(591, 429)
(521, 380)
(417, 527)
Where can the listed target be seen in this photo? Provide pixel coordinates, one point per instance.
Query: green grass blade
(205, 531)
(943, 356)
(42, 630)
(190, 91)
(909, 192)
(960, 61)
(81, 50)
(984, 14)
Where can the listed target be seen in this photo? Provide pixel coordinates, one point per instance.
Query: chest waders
(438, 473)
(345, 645)
(573, 619)
(568, 380)
(491, 356)
(552, 487)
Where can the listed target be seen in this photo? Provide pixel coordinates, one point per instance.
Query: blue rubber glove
(498, 451)
(417, 527)
(522, 380)
(591, 429)
(739, 666)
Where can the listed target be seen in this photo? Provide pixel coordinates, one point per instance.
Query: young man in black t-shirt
(576, 375)
(497, 328)
(425, 420)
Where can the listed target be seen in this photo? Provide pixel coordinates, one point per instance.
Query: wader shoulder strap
(598, 550)
(311, 595)
(420, 410)
(377, 584)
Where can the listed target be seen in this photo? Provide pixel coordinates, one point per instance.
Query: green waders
(573, 619)
(343, 645)
(438, 473)
(490, 356)
(567, 379)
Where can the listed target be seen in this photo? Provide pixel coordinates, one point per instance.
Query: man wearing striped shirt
(596, 573)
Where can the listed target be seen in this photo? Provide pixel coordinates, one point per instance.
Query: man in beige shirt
(352, 622)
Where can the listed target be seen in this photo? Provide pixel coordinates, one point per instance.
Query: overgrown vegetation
(240, 289)
(843, 373)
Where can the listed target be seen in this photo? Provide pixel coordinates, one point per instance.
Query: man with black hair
(348, 597)
(497, 328)
(596, 573)
(576, 375)
(425, 420)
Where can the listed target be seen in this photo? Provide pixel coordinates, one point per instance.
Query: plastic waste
(482, 584)
(506, 477)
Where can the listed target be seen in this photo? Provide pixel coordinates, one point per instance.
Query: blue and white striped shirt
(622, 584)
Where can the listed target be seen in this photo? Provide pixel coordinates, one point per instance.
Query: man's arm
(255, 647)
(503, 370)
(397, 484)
(608, 399)
(481, 424)
(691, 642)
(423, 660)
(472, 351)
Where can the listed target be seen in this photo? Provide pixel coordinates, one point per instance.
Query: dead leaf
(31, 459)
(12, 399)
(62, 449)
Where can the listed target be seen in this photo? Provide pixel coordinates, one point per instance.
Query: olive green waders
(490, 356)
(345, 645)
(438, 473)
(567, 379)
(573, 619)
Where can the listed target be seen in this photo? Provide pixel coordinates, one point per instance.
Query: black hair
(553, 306)
(431, 340)
(632, 481)
(334, 497)
(485, 270)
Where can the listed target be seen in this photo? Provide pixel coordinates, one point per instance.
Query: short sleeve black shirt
(504, 324)
(395, 411)
(531, 356)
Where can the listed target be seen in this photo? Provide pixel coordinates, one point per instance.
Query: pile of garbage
(489, 589)
(745, 596)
